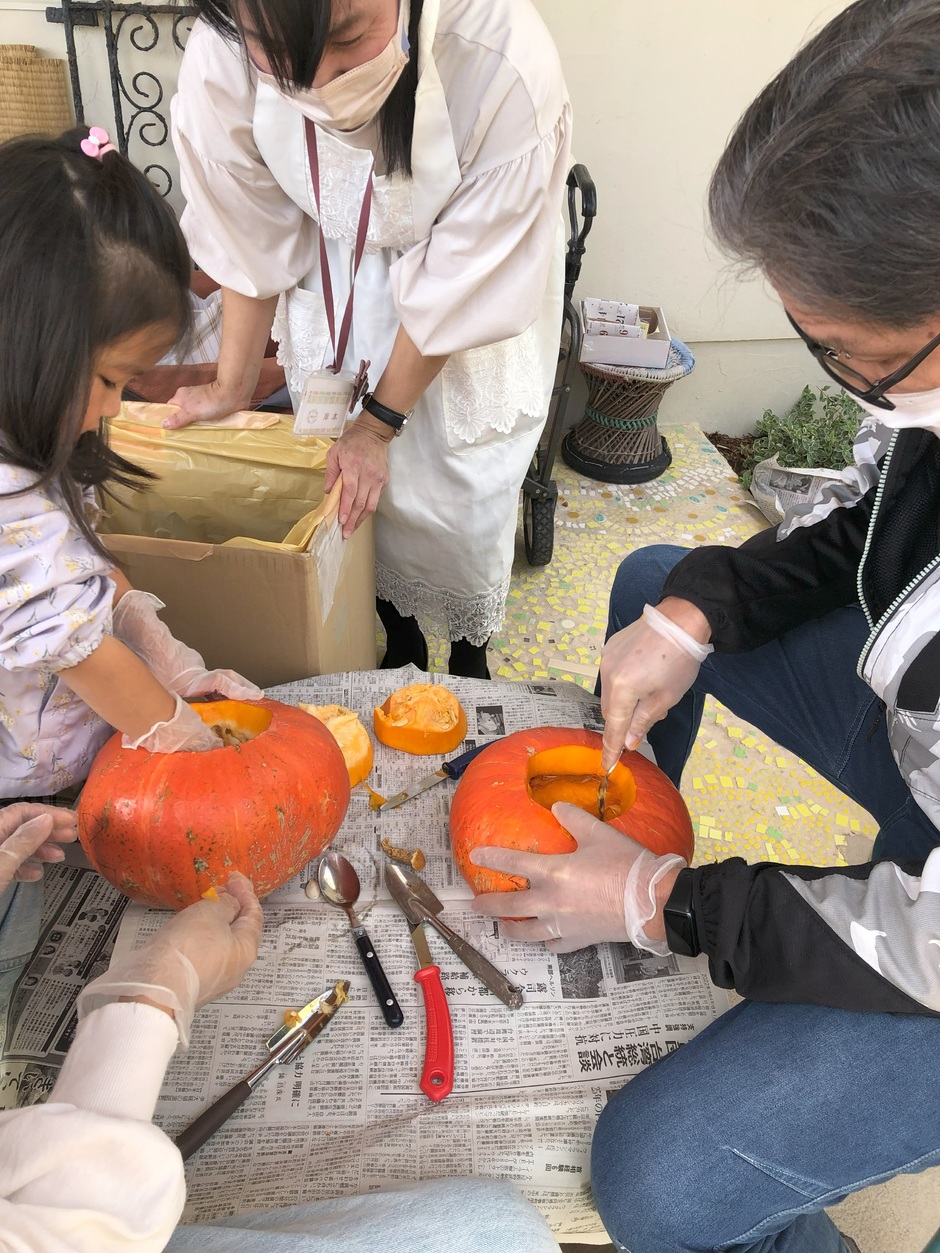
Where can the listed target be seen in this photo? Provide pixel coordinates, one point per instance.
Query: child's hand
(29, 836)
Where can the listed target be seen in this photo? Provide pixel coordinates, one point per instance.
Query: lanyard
(338, 345)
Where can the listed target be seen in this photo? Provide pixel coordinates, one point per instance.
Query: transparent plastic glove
(185, 732)
(645, 669)
(179, 668)
(196, 957)
(604, 890)
(29, 836)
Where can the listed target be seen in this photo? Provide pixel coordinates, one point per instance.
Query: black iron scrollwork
(138, 102)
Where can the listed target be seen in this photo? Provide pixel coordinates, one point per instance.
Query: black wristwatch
(391, 417)
(679, 917)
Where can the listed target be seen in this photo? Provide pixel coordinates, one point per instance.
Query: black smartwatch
(679, 917)
(391, 417)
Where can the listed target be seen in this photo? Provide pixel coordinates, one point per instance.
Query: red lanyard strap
(338, 345)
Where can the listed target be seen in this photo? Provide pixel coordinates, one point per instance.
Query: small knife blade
(452, 769)
(418, 903)
(437, 1075)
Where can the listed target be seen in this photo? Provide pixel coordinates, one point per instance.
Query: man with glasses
(825, 633)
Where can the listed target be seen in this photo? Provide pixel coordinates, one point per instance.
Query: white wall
(656, 89)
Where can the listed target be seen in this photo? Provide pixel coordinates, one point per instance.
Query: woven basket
(617, 440)
(34, 94)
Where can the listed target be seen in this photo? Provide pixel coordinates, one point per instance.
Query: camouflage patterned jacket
(869, 936)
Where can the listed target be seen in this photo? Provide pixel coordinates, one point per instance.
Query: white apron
(446, 522)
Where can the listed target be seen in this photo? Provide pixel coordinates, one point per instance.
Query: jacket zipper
(876, 627)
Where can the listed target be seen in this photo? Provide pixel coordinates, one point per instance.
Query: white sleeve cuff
(117, 1061)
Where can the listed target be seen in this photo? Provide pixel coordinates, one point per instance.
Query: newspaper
(777, 489)
(348, 1116)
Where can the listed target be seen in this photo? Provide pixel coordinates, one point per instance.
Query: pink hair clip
(97, 143)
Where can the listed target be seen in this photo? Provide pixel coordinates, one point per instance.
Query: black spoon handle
(391, 1010)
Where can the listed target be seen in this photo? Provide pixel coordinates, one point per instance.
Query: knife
(300, 1028)
(437, 1077)
(452, 769)
(419, 904)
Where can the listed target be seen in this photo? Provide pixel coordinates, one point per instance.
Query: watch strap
(679, 917)
(391, 417)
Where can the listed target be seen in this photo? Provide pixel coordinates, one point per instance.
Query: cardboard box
(651, 352)
(273, 616)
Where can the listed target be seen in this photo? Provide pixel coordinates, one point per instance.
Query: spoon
(339, 884)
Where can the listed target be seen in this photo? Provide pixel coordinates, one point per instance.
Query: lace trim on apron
(474, 618)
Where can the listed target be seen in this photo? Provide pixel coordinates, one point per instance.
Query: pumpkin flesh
(506, 794)
(351, 736)
(424, 718)
(164, 828)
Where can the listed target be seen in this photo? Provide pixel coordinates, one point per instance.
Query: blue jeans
(739, 1140)
(20, 918)
(437, 1216)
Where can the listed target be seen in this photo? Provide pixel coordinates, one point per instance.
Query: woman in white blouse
(88, 1172)
(462, 108)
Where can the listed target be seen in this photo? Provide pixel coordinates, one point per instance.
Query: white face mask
(354, 98)
(911, 409)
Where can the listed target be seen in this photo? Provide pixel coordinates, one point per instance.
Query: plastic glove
(604, 890)
(645, 669)
(29, 836)
(194, 958)
(185, 732)
(179, 668)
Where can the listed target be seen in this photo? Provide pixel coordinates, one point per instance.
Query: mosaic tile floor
(747, 796)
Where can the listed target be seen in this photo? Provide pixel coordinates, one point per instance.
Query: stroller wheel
(538, 527)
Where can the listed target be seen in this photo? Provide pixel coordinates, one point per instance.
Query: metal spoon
(339, 884)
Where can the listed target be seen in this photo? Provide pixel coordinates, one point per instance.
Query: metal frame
(138, 104)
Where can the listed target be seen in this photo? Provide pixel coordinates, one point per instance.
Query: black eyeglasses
(871, 393)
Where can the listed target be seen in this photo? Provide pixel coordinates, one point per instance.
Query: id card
(325, 404)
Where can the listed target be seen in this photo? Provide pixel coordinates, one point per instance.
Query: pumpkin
(506, 794)
(165, 828)
(351, 736)
(423, 718)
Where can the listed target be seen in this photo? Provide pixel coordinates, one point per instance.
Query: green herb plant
(817, 433)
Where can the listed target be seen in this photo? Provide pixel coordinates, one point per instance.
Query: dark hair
(89, 253)
(294, 35)
(830, 182)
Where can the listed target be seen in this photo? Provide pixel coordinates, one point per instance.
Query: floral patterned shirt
(56, 596)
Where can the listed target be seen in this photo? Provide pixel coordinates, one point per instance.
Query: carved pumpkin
(351, 736)
(165, 827)
(506, 794)
(423, 718)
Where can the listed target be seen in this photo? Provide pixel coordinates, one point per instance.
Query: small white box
(651, 352)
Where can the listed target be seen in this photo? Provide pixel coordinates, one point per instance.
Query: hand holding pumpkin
(197, 956)
(645, 669)
(185, 732)
(29, 836)
(604, 890)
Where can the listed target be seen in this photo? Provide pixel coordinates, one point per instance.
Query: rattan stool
(617, 440)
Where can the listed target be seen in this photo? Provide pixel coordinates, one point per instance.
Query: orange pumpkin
(424, 718)
(506, 794)
(351, 736)
(164, 828)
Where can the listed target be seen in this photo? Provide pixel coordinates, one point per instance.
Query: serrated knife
(452, 769)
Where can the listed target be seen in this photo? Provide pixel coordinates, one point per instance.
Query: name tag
(325, 405)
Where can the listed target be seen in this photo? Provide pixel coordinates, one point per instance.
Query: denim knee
(642, 1171)
(639, 580)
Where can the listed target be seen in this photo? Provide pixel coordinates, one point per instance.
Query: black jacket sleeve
(756, 592)
(855, 937)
